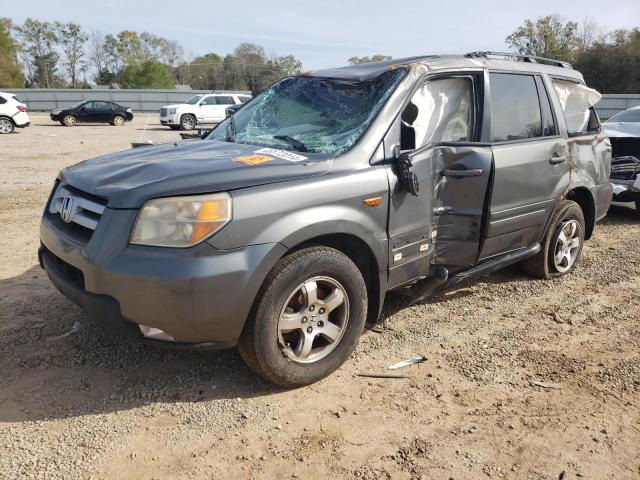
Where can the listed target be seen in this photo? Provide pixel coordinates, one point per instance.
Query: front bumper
(170, 120)
(199, 296)
(626, 190)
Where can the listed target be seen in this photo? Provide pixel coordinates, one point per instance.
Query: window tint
(576, 101)
(88, 106)
(632, 115)
(224, 100)
(101, 106)
(2, 100)
(439, 111)
(515, 109)
(548, 124)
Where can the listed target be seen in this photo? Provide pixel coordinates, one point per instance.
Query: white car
(202, 108)
(13, 113)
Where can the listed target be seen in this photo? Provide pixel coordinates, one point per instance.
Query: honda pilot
(281, 232)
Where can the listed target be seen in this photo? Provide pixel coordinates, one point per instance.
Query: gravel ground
(523, 378)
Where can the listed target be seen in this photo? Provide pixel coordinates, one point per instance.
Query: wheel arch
(584, 198)
(363, 256)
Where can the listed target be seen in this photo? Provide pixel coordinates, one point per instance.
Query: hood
(622, 129)
(127, 179)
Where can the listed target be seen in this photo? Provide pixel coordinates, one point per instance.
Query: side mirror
(403, 168)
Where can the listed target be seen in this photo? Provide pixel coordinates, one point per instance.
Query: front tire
(308, 318)
(6, 126)
(188, 122)
(69, 120)
(561, 245)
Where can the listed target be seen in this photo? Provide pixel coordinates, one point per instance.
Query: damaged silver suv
(282, 231)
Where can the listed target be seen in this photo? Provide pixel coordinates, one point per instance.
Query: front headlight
(181, 221)
(172, 111)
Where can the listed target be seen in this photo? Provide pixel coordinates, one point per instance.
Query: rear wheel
(561, 245)
(309, 315)
(118, 121)
(188, 122)
(6, 125)
(69, 120)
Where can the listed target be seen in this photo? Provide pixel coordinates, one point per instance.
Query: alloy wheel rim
(313, 320)
(69, 120)
(118, 121)
(188, 123)
(567, 246)
(5, 125)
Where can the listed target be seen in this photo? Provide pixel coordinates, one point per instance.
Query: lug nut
(304, 319)
(309, 329)
(321, 324)
(312, 308)
(321, 311)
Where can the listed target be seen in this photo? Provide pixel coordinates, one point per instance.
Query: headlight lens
(181, 221)
(172, 111)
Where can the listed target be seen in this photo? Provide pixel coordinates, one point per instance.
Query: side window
(548, 124)
(225, 100)
(88, 106)
(2, 100)
(244, 98)
(440, 111)
(208, 101)
(515, 109)
(577, 103)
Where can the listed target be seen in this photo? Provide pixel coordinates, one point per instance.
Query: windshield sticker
(285, 155)
(253, 159)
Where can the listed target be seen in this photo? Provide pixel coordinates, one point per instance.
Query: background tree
(546, 37)
(39, 43)
(378, 57)
(148, 74)
(72, 40)
(11, 75)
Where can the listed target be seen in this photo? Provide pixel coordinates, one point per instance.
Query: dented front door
(444, 223)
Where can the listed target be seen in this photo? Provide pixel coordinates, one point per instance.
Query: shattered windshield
(308, 114)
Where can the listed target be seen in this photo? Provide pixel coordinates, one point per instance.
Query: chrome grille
(624, 168)
(76, 209)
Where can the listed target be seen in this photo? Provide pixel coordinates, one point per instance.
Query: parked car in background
(199, 109)
(624, 133)
(93, 111)
(283, 229)
(13, 113)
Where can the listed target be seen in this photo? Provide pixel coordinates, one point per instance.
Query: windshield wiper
(297, 144)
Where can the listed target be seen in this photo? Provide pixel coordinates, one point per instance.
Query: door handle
(558, 158)
(471, 172)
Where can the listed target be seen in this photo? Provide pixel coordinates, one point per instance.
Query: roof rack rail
(520, 57)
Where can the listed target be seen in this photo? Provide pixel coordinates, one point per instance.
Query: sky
(325, 33)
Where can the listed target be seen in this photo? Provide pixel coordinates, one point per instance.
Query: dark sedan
(93, 111)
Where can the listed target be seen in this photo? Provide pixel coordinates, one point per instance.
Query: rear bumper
(198, 295)
(21, 119)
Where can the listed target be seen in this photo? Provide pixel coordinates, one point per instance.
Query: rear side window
(208, 101)
(224, 100)
(2, 100)
(515, 109)
(577, 101)
(548, 123)
(244, 98)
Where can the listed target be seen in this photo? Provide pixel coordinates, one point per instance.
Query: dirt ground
(523, 379)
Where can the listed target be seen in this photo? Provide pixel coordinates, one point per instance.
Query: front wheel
(69, 120)
(188, 122)
(561, 245)
(308, 317)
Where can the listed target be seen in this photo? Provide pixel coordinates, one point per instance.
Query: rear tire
(561, 245)
(69, 121)
(188, 122)
(6, 125)
(307, 319)
(118, 121)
